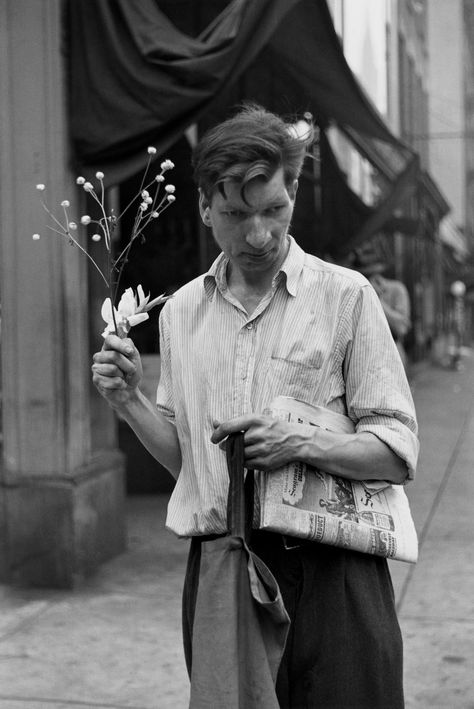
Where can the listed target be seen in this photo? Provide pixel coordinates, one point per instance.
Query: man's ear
(204, 208)
(292, 190)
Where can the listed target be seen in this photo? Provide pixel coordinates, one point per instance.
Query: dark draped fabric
(136, 80)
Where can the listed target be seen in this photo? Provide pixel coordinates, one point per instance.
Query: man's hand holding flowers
(117, 370)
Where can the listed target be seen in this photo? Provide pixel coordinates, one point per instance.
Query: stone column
(61, 497)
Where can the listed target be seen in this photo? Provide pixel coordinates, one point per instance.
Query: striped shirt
(320, 335)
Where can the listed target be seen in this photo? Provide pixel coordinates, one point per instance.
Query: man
(394, 299)
(268, 319)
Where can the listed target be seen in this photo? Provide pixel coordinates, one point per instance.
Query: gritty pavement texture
(115, 642)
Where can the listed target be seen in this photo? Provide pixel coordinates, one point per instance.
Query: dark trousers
(344, 649)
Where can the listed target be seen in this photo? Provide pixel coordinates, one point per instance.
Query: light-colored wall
(365, 49)
(361, 28)
(446, 101)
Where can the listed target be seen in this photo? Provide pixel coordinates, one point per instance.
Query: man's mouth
(257, 254)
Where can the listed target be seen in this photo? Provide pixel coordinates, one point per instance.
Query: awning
(382, 215)
(451, 236)
(138, 80)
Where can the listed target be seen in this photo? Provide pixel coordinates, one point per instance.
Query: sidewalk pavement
(115, 643)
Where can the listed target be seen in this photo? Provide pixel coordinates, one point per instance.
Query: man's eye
(274, 210)
(233, 213)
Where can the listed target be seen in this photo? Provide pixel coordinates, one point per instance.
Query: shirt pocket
(294, 376)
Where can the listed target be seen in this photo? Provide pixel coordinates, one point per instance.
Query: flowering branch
(130, 310)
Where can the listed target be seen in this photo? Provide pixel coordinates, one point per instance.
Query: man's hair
(252, 143)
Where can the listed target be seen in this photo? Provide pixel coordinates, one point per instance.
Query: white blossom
(130, 311)
(151, 150)
(88, 186)
(99, 175)
(36, 237)
(171, 198)
(80, 180)
(167, 165)
(65, 203)
(40, 188)
(159, 178)
(96, 237)
(72, 226)
(86, 219)
(170, 189)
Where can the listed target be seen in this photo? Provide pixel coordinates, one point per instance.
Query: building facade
(393, 47)
(450, 139)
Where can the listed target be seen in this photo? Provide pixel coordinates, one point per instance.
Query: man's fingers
(107, 359)
(225, 429)
(107, 370)
(123, 345)
(110, 383)
(240, 423)
(116, 369)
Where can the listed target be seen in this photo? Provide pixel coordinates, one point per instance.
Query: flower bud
(86, 219)
(88, 186)
(99, 175)
(72, 226)
(159, 178)
(151, 150)
(96, 237)
(40, 188)
(65, 203)
(171, 198)
(170, 189)
(36, 237)
(167, 165)
(80, 180)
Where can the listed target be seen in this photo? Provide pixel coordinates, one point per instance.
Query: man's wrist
(304, 444)
(126, 405)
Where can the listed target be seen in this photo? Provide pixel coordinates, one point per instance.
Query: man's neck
(249, 290)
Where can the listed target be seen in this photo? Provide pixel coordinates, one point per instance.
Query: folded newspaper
(302, 501)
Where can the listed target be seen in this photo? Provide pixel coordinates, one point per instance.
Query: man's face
(252, 234)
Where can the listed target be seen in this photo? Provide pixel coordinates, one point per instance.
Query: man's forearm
(156, 433)
(357, 456)
(271, 443)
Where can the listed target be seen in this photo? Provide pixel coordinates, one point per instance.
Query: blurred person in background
(393, 296)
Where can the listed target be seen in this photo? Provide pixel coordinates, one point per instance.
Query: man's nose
(258, 235)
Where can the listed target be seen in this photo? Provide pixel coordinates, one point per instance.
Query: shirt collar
(291, 268)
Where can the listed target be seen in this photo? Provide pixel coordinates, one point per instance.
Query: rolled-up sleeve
(378, 395)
